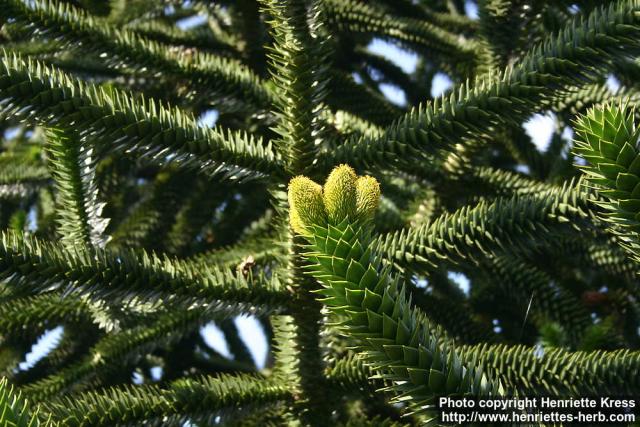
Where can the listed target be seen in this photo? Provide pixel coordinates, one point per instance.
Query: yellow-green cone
(340, 194)
(344, 196)
(367, 196)
(305, 204)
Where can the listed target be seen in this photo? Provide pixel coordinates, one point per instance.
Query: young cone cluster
(345, 196)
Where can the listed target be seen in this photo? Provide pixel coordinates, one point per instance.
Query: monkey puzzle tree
(342, 221)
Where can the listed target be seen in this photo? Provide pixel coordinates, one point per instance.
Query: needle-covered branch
(397, 340)
(46, 96)
(38, 266)
(562, 60)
